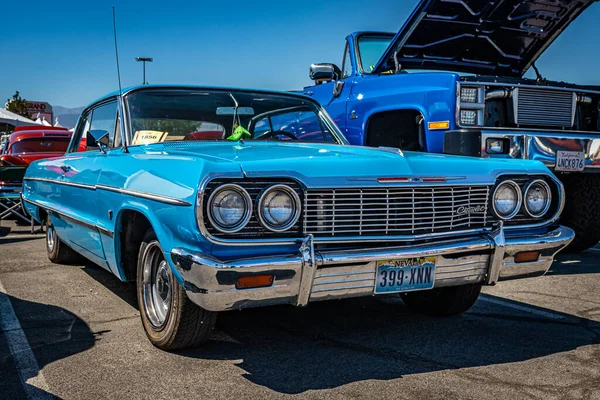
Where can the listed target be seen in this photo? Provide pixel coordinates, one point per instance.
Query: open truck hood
(495, 37)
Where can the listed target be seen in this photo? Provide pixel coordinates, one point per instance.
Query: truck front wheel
(582, 210)
(443, 301)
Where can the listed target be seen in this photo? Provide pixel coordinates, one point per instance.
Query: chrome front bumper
(526, 145)
(313, 275)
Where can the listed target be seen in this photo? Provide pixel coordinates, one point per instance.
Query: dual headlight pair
(230, 208)
(535, 196)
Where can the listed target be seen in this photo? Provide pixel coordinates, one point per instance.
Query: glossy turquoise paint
(433, 94)
(176, 170)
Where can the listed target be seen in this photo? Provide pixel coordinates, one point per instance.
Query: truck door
(336, 103)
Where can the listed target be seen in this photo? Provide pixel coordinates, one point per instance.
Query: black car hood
(493, 37)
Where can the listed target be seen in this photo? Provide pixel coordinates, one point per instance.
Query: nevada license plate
(405, 275)
(570, 161)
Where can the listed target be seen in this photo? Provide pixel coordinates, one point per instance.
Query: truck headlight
(278, 208)
(229, 208)
(468, 117)
(537, 198)
(469, 94)
(507, 200)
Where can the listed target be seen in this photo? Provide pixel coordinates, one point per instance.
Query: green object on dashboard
(239, 134)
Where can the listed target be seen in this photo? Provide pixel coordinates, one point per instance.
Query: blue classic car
(209, 202)
(451, 81)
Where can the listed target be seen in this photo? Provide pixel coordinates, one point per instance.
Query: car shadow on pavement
(292, 350)
(52, 332)
(586, 262)
(327, 345)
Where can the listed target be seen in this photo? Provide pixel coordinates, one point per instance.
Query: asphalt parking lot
(77, 334)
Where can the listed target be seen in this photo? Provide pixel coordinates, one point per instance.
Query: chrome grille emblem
(470, 210)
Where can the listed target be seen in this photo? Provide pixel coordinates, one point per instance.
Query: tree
(18, 105)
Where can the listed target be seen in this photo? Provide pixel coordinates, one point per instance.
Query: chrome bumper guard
(313, 275)
(543, 146)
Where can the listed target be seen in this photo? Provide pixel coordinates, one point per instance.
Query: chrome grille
(394, 211)
(536, 107)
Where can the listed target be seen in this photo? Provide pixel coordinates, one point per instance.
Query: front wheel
(170, 319)
(443, 301)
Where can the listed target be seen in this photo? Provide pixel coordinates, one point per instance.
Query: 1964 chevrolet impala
(221, 199)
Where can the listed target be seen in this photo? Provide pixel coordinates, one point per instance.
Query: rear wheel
(170, 319)
(58, 251)
(582, 210)
(443, 301)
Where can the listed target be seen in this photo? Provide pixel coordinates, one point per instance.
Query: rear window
(40, 145)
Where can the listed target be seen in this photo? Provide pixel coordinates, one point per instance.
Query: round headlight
(507, 199)
(537, 198)
(279, 208)
(229, 208)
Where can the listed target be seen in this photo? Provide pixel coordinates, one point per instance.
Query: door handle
(309, 93)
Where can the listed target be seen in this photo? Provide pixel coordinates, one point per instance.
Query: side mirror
(100, 137)
(325, 72)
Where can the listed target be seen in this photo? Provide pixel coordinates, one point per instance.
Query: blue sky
(62, 51)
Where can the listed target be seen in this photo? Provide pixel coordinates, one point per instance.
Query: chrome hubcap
(50, 238)
(157, 285)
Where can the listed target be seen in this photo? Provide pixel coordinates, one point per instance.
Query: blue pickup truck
(451, 81)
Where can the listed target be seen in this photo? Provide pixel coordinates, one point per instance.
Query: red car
(31, 143)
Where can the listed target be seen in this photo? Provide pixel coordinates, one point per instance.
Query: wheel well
(43, 214)
(133, 228)
(397, 128)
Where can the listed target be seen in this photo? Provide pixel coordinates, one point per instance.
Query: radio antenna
(121, 108)
(117, 50)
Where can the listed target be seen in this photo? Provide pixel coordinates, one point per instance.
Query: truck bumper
(313, 275)
(526, 145)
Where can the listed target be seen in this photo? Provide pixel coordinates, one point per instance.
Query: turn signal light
(527, 256)
(255, 281)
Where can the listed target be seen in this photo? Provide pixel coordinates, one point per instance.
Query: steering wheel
(274, 133)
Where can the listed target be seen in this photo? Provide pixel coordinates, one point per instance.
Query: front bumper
(313, 275)
(527, 145)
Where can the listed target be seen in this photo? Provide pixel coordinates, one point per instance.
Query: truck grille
(395, 211)
(534, 107)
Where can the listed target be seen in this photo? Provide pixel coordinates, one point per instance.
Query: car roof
(39, 133)
(126, 91)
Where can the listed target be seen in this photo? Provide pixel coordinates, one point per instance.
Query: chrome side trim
(100, 230)
(135, 193)
(144, 195)
(64, 183)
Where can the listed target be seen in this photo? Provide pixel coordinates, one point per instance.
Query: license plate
(570, 161)
(405, 275)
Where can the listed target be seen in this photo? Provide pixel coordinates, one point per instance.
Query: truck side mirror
(325, 72)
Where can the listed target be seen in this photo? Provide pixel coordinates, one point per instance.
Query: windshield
(159, 115)
(40, 145)
(370, 50)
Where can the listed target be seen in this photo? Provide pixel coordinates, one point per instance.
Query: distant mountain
(67, 117)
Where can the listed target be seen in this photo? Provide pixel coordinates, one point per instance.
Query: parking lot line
(32, 378)
(520, 307)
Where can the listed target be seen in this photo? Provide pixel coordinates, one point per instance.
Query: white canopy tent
(10, 118)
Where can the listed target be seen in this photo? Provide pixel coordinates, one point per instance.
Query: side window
(103, 120)
(347, 64)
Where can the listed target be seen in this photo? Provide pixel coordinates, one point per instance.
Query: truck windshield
(370, 50)
(159, 115)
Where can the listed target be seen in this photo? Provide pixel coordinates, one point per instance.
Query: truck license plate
(570, 161)
(405, 275)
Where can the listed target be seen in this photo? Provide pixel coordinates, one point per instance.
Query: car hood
(497, 37)
(325, 165)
